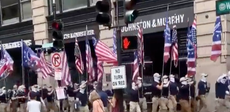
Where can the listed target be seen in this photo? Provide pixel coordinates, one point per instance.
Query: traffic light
(103, 17)
(131, 14)
(129, 43)
(57, 35)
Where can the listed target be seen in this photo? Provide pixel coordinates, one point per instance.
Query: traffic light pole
(118, 92)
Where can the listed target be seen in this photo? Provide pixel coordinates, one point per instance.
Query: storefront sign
(156, 22)
(78, 34)
(16, 44)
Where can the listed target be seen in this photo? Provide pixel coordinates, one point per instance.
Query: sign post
(118, 77)
(57, 64)
(222, 7)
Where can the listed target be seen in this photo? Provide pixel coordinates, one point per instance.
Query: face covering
(165, 80)
(172, 79)
(82, 90)
(184, 82)
(156, 79)
(223, 81)
(204, 79)
(134, 86)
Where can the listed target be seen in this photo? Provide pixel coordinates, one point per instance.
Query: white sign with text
(118, 77)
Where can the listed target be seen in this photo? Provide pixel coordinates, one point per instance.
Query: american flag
(66, 77)
(79, 63)
(29, 58)
(167, 44)
(46, 68)
(191, 58)
(3, 68)
(89, 62)
(216, 40)
(193, 34)
(175, 46)
(114, 42)
(100, 70)
(135, 66)
(103, 52)
(9, 61)
(141, 46)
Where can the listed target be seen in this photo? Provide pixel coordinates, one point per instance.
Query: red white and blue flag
(191, 55)
(216, 40)
(135, 66)
(141, 46)
(194, 38)
(103, 52)
(66, 77)
(167, 45)
(89, 62)
(3, 69)
(9, 61)
(174, 46)
(100, 70)
(46, 68)
(78, 62)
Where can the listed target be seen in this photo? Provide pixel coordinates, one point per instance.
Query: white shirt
(34, 106)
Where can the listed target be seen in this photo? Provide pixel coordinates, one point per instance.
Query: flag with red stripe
(100, 70)
(89, 62)
(135, 66)
(194, 38)
(216, 40)
(78, 62)
(3, 68)
(141, 46)
(167, 45)
(9, 61)
(66, 77)
(103, 52)
(174, 46)
(45, 69)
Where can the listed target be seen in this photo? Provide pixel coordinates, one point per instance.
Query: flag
(216, 40)
(78, 62)
(29, 58)
(141, 46)
(89, 62)
(100, 70)
(9, 61)
(167, 44)
(174, 46)
(66, 77)
(114, 42)
(193, 34)
(103, 52)
(3, 68)
(191, 59)
(135, 66)
(45, 68)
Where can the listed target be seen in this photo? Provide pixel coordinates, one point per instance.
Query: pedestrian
(202, 91)
(22, 97)
(156, 92)
(165, 103)
(33, 105)
(103, 95)
(96, 102)
(184, 95)
(142, 99)
(81, 103)
(192, 90)
(134, 99)
(173, 90)
(14, 100)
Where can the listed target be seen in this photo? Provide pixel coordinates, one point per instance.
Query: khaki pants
(220, 105)
(174, 102)
(134, 107)
(66, 104)
(155, 104)
(71, 103)
(4, 107)
(203, 103)
(51, 106)
(166, 104)
(143, 104)
(83, 109)
(22, 107)
(193, 105)
(227, 101)
(185, 107)
(13, 106)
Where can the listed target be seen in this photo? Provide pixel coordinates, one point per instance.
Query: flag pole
(86, 73)
(23, 69)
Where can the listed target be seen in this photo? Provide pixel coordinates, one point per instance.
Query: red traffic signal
(57, 25)
(129, 43)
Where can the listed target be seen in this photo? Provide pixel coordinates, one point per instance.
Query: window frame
(21, 11)
(50, 4)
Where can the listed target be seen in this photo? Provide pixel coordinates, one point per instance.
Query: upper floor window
(14, 10)
(69, 5)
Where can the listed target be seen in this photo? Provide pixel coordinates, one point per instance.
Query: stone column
(40, 11)
(206, 16)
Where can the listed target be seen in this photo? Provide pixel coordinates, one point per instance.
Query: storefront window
(26, 9)
(10, 12)
(73, 4)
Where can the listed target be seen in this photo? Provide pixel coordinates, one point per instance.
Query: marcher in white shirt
(33, 105)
